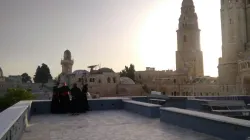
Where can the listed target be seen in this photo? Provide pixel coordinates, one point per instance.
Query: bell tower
(67, 63)
(189, 56)
(234, 39)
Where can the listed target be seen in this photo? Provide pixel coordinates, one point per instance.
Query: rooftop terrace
(130, 118)
(106, 125)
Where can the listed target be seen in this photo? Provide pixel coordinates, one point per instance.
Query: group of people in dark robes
(61, 102)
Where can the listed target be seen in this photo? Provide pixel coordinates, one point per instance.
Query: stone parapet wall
(220, 126)
(14, 120)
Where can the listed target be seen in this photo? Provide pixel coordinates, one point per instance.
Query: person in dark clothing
(84, 99)
(64, 99)
(75, 93)
(55, 100)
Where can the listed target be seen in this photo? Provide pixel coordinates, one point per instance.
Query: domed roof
(80, 72)
(187, 3)
(126, 81)
(102, 70)
(67, 51)
(67, 55)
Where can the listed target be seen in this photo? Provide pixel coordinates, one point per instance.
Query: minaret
(67, 63)
(189, 56)
(234, 39)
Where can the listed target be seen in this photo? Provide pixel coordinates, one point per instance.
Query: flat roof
(105, 125)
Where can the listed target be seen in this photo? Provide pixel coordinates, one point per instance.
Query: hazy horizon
(113, 33)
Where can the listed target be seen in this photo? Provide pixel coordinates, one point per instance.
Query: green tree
(128, 72)
(13, 96)
(42, 74)
(26, 78)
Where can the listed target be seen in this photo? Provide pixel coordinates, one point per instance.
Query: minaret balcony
(67, 61)
(244, 65)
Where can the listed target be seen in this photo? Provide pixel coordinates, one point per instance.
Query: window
(92, 80)
(99, 81)
(108, 80)
(230, 21)
(114, 79)
(139, 76)
(248, 1)
(185, 38)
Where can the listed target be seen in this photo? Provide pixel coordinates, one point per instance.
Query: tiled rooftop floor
(105, 125)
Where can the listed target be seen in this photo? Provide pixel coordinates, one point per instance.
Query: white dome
(126, 81)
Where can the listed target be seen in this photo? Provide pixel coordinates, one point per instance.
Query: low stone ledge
(14, 120)
(145, 109)
(220, 126)
(106, 103)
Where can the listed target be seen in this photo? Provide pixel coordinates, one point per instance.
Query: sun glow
(157, 39)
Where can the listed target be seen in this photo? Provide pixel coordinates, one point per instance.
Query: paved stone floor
(105, 125)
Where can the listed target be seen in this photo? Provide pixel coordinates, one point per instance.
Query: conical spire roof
(187, 3)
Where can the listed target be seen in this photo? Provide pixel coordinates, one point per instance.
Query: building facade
(189, 57)
(102, 82)
(234, 64)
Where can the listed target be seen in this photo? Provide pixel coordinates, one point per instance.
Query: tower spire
(189, 56)
(187, 3)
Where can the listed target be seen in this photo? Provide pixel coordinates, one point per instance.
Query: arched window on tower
(185, 38)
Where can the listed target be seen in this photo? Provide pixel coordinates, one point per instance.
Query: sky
(112, 33)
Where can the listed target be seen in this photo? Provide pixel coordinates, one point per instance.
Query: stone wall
(111, 90)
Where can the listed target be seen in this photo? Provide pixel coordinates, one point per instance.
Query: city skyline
(144, 31)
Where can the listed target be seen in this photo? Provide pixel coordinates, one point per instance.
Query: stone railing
(243, 65)
(216, 125)
(14, 120)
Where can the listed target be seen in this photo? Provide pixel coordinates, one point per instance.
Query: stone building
(103, 82)
(189, 56)
(234, 72)
(188, 79)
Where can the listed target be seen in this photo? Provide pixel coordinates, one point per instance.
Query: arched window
(108, 80)
(114, 79)
(185, 38)
(99, 81)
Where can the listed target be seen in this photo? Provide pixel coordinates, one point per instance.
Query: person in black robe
(84, 99)
(75, 93)
(64, 99)
(55, 100)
